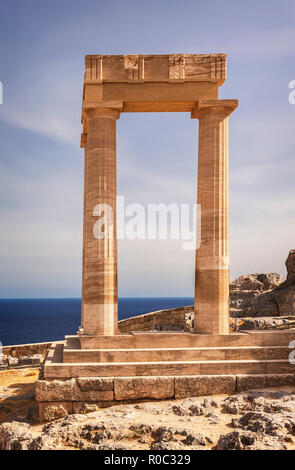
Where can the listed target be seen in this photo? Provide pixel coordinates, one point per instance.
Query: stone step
(53, 369)
(173, 354)
(185, 340)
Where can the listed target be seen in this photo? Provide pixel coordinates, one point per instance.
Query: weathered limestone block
(96, 384)
(52, 411)
(36, 359)
(189, 322)
(126, 388)
(199, 385)
(83, 407)
(93, 396)
(55, 390)
(90, 407)
(69, 390)
(246, 382)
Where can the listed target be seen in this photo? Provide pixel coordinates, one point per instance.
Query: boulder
(236, 440)
(12, 361)
(245, 289)
(15, 436)
(4, 360)
(262, 295)
(281, 300)
(247, 440)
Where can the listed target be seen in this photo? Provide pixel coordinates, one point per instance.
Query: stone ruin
(100, 366)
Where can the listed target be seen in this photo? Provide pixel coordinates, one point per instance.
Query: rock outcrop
(245, 289)
(262, 295)
(262, 323)
(251, 420)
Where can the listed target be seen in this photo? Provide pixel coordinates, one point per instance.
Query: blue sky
(42, 51)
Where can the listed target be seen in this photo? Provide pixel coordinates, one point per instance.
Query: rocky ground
(262, 419)
(17, 394)
(258, 419)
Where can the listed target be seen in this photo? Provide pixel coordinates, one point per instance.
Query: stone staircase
(88, 373)
(184, 354)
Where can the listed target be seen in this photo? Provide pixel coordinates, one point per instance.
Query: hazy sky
(42, 49)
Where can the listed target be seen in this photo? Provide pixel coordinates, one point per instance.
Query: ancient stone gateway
(155, 83)
(99, 365)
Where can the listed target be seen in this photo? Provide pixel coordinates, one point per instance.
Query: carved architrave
(135, 66)
(176, 67)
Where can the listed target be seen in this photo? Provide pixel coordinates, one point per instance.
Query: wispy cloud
(41, 179)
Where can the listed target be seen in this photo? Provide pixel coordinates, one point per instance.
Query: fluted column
(83, 145)
(212, 257)
(99, 278)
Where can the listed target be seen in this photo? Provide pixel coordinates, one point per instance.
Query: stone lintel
(152, 83)
(141, 68)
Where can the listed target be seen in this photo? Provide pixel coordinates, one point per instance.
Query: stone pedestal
(212, 258)
(99, 283)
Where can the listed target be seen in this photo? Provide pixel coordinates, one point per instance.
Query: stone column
(212, 257)
(83, 145)
(99, 278)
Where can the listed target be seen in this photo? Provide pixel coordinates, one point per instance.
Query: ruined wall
(172, 319)
(21, 350)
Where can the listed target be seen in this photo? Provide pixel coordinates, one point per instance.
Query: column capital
(108, 113)
(221, 108)
(98, 109)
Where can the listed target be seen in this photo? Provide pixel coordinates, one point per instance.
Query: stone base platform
(83, 374)
(58, 398)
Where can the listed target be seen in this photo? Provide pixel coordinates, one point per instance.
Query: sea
(40, 320)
